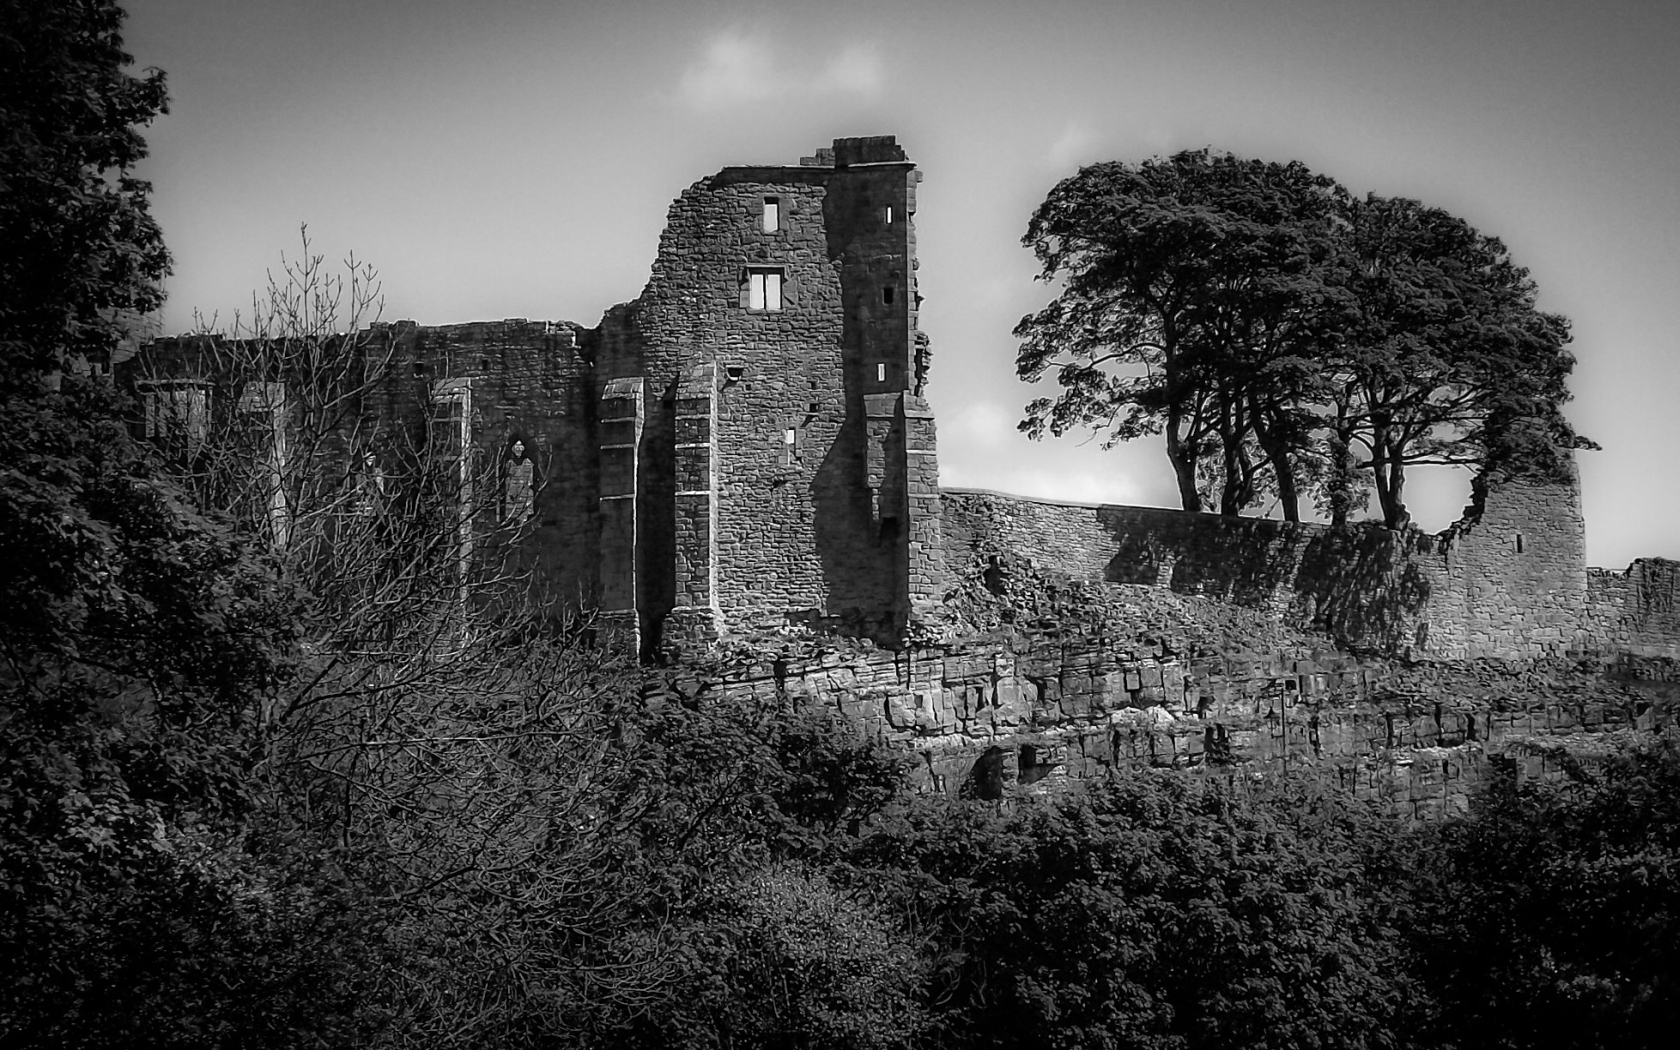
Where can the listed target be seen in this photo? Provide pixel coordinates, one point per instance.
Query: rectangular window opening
(772, 214)
(889, 215)
(880, 373)
(888, 294)
(793, 445)
(177, 410)
(764, 289)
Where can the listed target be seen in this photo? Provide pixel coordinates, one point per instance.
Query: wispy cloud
(737, 66)
(856, 70)
(1074, 146)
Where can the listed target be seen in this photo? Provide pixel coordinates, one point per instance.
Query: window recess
(761, 289)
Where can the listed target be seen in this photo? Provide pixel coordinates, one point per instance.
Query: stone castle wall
(1047, 713)
(799, 509)
(1636, 612)
(744, 448)
(1509, 580)
(529, 382)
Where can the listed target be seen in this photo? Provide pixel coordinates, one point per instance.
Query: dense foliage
(1284, 336)
(1554, 916)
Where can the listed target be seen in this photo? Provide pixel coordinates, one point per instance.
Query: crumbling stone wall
(1507, 580)
(811, 507)
(515, 380)
(1039, 713)
(530, 383)
(742, 446)
(1510, 578)
(1636, 612)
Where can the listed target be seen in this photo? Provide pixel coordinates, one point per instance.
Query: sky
(515, 158)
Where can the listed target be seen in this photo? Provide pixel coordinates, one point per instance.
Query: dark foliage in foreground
(1554, 914)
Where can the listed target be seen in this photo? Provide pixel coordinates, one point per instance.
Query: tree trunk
(1341, 484)
(1183, 462)
(1395, 514)
(1289, 496)
(1390, 476)
(1239, 483)
(1277, 454)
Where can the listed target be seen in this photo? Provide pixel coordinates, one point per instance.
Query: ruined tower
(766, 454)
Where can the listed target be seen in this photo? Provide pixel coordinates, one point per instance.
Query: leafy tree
(1551, 917)
(1161, 911)
(139, 638)
(1191, 306)
(1445, 353)
(79, 250)
(1256, 314)
(784, 957)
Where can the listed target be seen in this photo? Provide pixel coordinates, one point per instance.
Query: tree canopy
(79, 249)
(1285, 337)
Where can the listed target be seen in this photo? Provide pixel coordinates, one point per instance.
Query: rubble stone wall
(525, 381)
(1636, 612)
(1508, 580)
(1045, 714)
(812, 512)
(531, 384)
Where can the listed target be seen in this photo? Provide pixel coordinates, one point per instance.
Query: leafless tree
(452, 744)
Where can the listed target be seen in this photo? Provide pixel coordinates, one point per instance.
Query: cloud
(856, 70)
(980, 425)
(736, 67)
(1073, 146)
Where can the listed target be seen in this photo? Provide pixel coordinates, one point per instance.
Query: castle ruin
(745, 449)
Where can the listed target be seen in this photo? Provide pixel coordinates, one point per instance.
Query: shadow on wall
(985, 778)
(855, 563)
(1362, 585)
(1245, 561)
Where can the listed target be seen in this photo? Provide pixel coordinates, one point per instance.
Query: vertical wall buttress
(694, 618)
(621, 431)
(925, 535)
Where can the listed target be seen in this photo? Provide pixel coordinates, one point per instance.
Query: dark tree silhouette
(1283, 336)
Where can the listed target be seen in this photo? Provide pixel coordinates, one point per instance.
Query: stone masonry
(743, 454)
(786, 469)
(742, 448)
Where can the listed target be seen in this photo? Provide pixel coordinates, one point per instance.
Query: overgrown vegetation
(268, 784)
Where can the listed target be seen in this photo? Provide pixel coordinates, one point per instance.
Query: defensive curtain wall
(743, 455)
